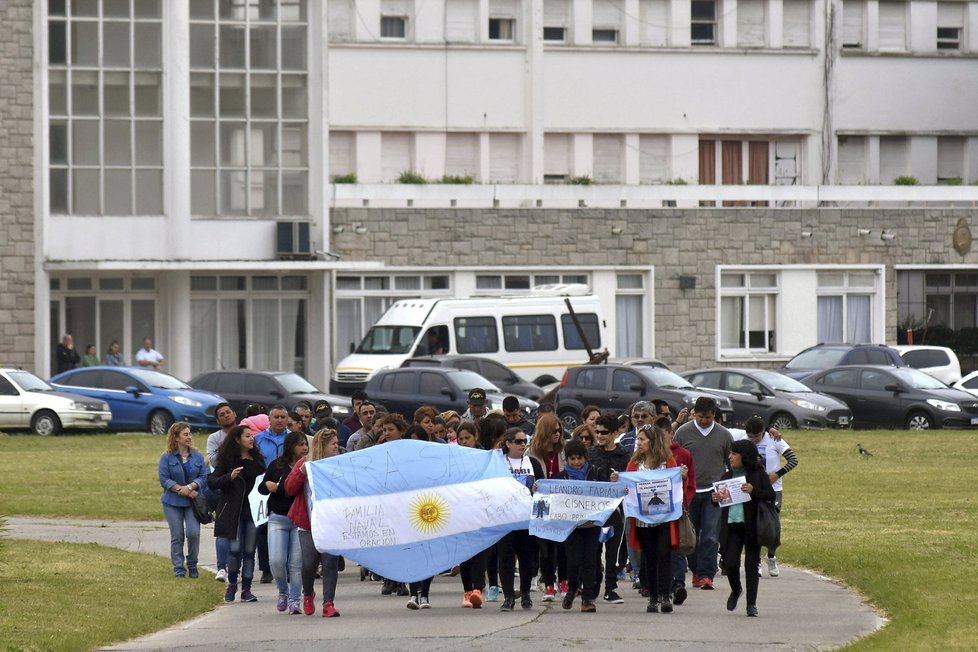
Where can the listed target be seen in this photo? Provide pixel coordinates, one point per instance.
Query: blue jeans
(183, 523)
(284, 556)
(705, 515)
(241, 549)
(678, 569)
(222, 547)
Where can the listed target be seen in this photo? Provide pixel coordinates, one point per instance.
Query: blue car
(142, 399)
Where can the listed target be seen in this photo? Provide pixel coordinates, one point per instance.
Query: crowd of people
(591, 563)
(67, 358)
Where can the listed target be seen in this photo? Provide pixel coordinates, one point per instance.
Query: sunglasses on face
(602, 432)
(521, 442)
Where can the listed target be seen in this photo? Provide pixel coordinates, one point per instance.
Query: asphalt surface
(799, 610)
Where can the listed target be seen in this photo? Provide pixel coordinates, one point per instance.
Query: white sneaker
(222, 575)
(772, 567)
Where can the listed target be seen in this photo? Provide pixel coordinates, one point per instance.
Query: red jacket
(683, 456)
(295, 485)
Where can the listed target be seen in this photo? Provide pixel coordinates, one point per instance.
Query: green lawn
(899, 527)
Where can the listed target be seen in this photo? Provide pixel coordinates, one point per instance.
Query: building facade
(183, 155)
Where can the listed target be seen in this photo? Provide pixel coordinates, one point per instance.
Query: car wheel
(570, 419)
(160, 421)
(783, 421)
(919, 421)
(45, 423)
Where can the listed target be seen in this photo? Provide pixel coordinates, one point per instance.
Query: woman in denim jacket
(182, 473)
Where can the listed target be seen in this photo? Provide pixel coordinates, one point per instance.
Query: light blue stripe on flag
(654, 496)
(559, 506)
(408, 510)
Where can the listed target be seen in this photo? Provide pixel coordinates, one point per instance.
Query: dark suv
(614, 387)
(825, 356)
(239, 387)
(502, 376)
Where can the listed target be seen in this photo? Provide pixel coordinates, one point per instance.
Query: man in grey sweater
(709, 444)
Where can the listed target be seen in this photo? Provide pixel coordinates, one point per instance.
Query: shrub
(905, 180)
(954, 181)
(467, 180)
(679, 181)
(580, 181)
(345, 178)
(411, 177)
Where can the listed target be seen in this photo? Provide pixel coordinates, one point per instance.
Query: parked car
(826, 356)
(507, 380)
(240, 387)
(938, 361)
(639, 362)
(27, 402)
(781, 401)
(613, 388)
(405, 390)
(897, 397)
(969, 383)
(142, 399)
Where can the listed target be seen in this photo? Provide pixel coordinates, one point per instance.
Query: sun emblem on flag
(428, 512)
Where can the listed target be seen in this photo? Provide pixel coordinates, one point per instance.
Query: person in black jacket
(611, 456)
(238, 465)
(738, 532)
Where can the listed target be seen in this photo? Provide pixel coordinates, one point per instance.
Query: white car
(27, 402)
(938, 361)
(969, 383)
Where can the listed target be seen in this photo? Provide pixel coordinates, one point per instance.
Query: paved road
(798, 611)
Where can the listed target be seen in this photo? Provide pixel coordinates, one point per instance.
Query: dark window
(495, 372)
(431, 384)
(208, 382)
(434, 342)
(706, 379)
(115, 380)
(743, 384)
(572, 339)
(553, 33)
(83, 379)
(972, 383)
(622, 380)
(875, 380)
(530, 333)
(468, 365)
(858, 357)
(393, 26)
(229, 384)
(7, 388)
(476, 335)
(847, 378)
(404, 384)
(387, 384)
(878, 357)
(596, 379)
(258, 385)
(925, 358)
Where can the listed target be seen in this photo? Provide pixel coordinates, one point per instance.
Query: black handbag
(202, 509)
(767, 522)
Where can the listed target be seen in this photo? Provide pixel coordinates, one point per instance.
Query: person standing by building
(114, 357)
(148, 356)
(90, 359)
(67, 356)
(709, 444)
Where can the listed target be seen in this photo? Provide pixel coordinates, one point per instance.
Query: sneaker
(329, 611)
(697, 582)
(247, 595)
(568, 601)
(414, 602)
(192, 573)
(644, 593)
(466, 602)
(402, 589)
(508, 604)
(179, 572)
(752, 610)
(476, 599)
(759, 573)
(526, 602)
(706, 583)
(666, 607)
(283, 602)
(587, 606)
(424, 602)
(364, 574)
(772, 567)
(388, 588)
(613, 597)
(563, 586)
(266, 577)
(732, 600)
(652, 607)
(492, 594)
(309, 604)
(230, 592)
(549, 595)
(222, 575)
(294, 607)
(636, 584)
(680, 595)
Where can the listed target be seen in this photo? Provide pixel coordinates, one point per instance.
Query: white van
(532, 334)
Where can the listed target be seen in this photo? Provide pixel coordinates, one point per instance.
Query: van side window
(434, 342)
(530, 333)
(476, 335)
(589, 323)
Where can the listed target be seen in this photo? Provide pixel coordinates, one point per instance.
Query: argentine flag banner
(559, 506)
(408, 510)
(654, 496)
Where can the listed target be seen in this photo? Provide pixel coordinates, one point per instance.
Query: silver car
(27, 402)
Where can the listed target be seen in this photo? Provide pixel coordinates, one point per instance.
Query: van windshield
(389, 339)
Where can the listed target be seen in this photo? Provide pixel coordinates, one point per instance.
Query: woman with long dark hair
(284, 556)
(238, 465)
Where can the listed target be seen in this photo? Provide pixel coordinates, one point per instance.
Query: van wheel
(783, 421)
(160, 421)
(45, 423)
(569, 419)
(919, 421)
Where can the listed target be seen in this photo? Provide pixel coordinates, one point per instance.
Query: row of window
(891, 27)
(884, 159)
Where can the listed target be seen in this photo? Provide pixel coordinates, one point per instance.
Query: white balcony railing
(390, 195)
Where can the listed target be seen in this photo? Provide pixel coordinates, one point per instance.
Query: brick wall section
(16, 185)
(688, 242)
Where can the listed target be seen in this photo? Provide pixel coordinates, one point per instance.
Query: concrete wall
(676, 242)
(17, 194)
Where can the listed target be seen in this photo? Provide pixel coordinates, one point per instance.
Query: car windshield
(816, 359)
(665, 379)
(389, 339)
(780, 382)
(29, 382)
(296, 384)
(158, 380)
(917, 379)
(467, 380)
